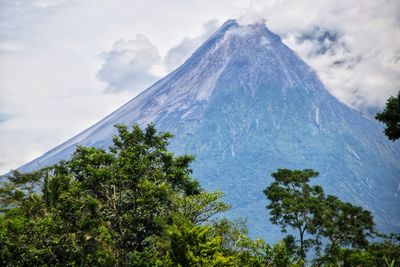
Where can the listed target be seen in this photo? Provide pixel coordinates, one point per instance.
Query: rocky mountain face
(245, 105)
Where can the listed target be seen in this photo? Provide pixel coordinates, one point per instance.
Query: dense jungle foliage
(135, 204)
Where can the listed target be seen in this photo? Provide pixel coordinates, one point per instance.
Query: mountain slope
(245, 105)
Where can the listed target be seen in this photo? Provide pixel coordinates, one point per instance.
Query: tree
(101, 206)
(188, 245)
(201, 207)
(21, 190)
(390, 116)
(344, 225)
(387, 252)
(138, 183)
(133, 204)
(294, 203)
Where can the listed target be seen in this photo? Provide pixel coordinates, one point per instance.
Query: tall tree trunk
(302, 256)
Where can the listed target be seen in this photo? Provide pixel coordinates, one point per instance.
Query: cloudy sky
(65, 64)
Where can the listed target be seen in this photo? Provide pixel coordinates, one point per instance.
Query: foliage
(390, 116)
(188, 245)
(343, 225)
(135, 204)
(201, 207)
(100, 207)
(294, 203)
(342, 228)
(387, 252)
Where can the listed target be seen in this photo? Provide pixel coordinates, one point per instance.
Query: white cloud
(334, 37)
(47, 3)
(179, 53)
(128, 65)
(48, 86)
(11, 45)
(360, 65)
(135, 64)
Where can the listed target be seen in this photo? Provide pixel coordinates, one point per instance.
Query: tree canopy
(136, 204)
(294, 203)
(341, 229)
(133, 204)
(390, 116)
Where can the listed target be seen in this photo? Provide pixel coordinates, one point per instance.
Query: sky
(66, 64)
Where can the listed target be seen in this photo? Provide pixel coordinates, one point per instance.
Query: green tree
(387, 252)
(21, 190)
(384, 253)
(199, 208)
(189, 245)
(294, 203)
(248, 252)
(344, 226)
(390, 116)
(100, 207)
(137, 183)
(133, 204)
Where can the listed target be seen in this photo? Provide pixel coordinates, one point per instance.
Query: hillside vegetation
(136, 204)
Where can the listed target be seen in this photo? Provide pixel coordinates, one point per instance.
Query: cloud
(47, 3)
(354, 46)
(179, 53)
(323, 41)
(133, 65)
(11, 45)
(4, 117)
(48, 81)
(128, 65)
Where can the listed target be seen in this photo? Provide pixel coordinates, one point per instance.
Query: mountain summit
(246, 105)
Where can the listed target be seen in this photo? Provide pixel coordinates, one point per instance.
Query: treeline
(136, 204)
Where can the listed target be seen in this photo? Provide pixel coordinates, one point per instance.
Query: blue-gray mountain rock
(246, 105)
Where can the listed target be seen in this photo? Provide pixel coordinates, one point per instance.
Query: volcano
(245, 105)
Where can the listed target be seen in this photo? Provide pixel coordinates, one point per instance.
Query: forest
(136, 204)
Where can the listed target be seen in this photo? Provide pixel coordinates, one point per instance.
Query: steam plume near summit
(353, 45)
